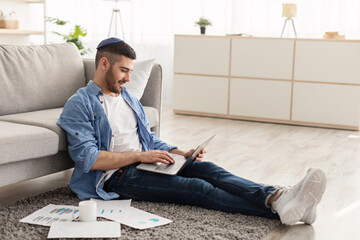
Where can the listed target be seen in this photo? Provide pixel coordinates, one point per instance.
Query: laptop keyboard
(176, 157)
(162, 166)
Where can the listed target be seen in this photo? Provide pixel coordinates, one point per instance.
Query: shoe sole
(309, 195)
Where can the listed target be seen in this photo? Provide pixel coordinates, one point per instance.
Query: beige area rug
(188, 222)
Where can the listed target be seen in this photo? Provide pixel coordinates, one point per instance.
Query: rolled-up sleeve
(76, 121)
(160, 145)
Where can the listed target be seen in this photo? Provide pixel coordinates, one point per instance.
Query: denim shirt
(88, 132)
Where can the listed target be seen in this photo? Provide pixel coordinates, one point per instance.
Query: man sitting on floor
(109, 135)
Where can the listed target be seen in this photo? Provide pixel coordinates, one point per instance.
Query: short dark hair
(113, 51)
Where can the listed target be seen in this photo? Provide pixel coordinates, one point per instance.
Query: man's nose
(127, 77)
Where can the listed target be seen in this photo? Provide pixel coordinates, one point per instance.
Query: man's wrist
(137, 157)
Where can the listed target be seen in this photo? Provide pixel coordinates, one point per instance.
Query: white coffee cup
(87, 211)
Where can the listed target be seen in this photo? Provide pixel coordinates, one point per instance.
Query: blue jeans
(202, 184)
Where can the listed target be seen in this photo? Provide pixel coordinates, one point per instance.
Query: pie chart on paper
(153, 220)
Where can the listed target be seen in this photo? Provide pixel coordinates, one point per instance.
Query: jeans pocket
(114, 181)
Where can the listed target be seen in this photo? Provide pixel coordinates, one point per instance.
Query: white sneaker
(299, 203)
(309, 216)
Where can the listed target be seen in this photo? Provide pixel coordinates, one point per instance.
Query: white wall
(150, 25)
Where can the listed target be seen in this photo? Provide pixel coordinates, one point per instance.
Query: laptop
(180, 161)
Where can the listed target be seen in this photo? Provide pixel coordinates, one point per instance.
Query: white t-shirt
(123, 124)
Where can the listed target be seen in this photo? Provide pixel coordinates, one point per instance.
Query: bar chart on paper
(112, 209)
(50, 214)
(109, 211)
(121, 211)
(61, 211)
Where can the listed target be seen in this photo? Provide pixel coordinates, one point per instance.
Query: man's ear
(104, 64)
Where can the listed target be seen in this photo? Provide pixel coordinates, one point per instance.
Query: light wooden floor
(266, 153)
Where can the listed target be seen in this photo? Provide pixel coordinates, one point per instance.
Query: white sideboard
(257, 98)
(262, 58)
(312, 82)
(196, 56)
(201, 93)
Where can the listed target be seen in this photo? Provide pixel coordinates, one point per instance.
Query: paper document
(112, 208)
(141, 220)
(111, 204)
(50, 214)
(137, 218)
(85, 230)
(121, 212)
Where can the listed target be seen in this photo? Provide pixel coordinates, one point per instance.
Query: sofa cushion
(139, 77)
(21, 142)
(44, 118)
(48, 118)
(45, 76)
(153, 116)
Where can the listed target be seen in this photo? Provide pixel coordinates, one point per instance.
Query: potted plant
(202, 23)
(74, 36)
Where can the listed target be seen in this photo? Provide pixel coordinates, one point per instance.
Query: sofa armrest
(152, 92)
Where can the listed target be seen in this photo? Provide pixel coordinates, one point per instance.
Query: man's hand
(156, 156)
(199, 157)
(187, 154)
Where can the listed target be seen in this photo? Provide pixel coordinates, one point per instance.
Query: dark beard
(109, 76)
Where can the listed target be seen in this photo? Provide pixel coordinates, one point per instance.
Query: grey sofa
(35, 83)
